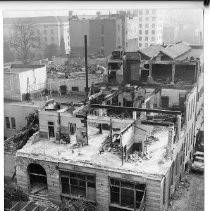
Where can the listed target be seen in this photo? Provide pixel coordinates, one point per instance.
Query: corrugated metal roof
(176, 50)
(152, 50)
(196, 53)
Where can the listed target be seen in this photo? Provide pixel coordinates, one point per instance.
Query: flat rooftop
(153, 165)
(38, 102)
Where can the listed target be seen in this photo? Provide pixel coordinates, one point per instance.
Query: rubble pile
(60, 71)
(110, 146)
(137, 157)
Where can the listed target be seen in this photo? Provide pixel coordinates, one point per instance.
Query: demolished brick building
(117, 162)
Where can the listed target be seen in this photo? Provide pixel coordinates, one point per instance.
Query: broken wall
(173, 95)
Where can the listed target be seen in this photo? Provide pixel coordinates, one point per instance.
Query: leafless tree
(24, 40)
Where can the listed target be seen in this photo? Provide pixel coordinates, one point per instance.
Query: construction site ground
(190, 194)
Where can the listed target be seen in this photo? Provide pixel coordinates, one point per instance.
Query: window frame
(79, 179)
(13, 123)
(120, 186)
(7, 122)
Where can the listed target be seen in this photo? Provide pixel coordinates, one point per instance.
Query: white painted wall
(19, 112)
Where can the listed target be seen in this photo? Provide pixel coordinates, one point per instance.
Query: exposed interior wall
(162, 73)
(185, 74)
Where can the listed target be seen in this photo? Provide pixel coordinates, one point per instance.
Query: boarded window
(7, 122)
(13, 123)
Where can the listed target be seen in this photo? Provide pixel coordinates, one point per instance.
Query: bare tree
(24, 40)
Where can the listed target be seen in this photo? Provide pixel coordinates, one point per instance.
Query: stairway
(41, 199)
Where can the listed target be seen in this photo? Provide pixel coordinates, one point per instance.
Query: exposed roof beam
(136, 109)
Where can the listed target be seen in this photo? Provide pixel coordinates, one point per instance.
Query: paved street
(190, 198)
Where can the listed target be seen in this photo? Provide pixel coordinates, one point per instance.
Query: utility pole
(86, 88)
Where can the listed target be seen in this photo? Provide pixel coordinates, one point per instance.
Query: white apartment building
(150, 27)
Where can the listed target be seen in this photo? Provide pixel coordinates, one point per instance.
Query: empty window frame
(78, 185)
(51, 129)
(126, 194)
(7, 122)
(13, 123)
(72, 128)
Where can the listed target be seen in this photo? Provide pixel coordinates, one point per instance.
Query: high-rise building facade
(150, 27)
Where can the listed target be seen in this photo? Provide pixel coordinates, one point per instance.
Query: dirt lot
(190, 194)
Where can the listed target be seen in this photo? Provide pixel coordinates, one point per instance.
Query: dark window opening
(13, 123)
(114, 66)
(144, 75)
(184, 74)
(7, 122)
(72, 128)
(38, 177)
(164, 102)
(162, 73)
(78, 185)
(75, 88)
(126, 194)
(51, 130)
(182, 99)
(63, 89)
(112, 77)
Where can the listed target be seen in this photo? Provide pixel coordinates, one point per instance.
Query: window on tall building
(147, 12)
(153, 31)
(102, 28)
(102, 41)
(45, 39)
(146, 31)
(140, 45)
(146, 38)
(153, 25)
(13, 123)
(146, 25)
(140, 31)
(153, 38)
(140, 25)
(7, 122)
(147, 18)
(126, 194)
(140, 38)
(78, 185)
(45, 31)
(52, 31)
(153, 18)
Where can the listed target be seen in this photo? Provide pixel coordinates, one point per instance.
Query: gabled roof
(176, 50)
(152, 50)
